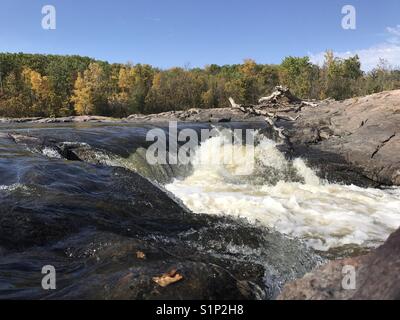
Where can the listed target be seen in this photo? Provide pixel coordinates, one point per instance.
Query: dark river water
(83, 198)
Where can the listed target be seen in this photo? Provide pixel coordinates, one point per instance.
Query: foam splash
(51, 153)
(289, 197)
(14, 187)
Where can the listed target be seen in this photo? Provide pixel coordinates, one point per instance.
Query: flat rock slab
(363, 132)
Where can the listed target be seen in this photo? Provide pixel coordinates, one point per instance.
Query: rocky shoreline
(377, 277)
(357, 138)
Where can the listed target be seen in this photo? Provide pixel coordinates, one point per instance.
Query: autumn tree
(90, 91)
(16, 98)
(121, 99)
(53, 85)
(44, 102)
(176, 89)
(62, 73)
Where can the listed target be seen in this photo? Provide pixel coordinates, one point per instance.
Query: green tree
(297, 74)
(341, 76)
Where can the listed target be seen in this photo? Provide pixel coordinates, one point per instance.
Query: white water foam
(288, 196)
(51, 153)
(14, 187)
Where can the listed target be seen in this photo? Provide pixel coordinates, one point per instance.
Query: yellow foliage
(82, 97)
(157, 80)
(249, 67)
(127, 77)
(39, 85)
(41, 92)
(89, 90)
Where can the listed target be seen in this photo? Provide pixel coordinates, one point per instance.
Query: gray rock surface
(377, 277)
(70, 119)
(362, 133)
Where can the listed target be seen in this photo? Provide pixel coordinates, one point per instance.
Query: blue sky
(169, 33)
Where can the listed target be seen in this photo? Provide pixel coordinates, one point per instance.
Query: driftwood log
(272, 108)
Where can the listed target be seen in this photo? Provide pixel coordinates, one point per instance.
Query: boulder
(362, 132)
(377, 277)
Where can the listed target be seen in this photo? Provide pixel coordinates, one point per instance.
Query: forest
(34, 85)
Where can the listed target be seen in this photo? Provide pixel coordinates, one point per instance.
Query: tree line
(33, 85)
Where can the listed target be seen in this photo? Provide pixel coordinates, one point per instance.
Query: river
(62, 191)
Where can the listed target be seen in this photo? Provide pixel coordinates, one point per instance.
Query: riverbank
(353, 140)
(376, 276)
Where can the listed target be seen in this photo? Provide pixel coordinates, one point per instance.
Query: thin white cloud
(370, 57)
(394, 34)
(394, 31)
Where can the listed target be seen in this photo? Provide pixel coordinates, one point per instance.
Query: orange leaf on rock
(140, 255)
(168, 278)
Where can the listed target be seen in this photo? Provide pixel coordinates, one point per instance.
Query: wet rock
(377, 277)
(90, 221)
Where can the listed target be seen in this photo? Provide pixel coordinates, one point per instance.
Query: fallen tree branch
(280, 93)
(281, 100)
